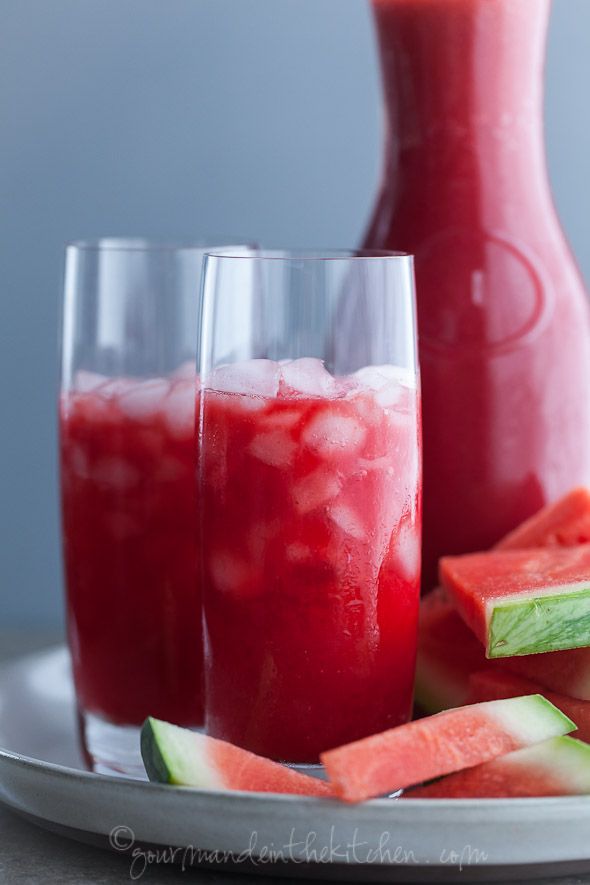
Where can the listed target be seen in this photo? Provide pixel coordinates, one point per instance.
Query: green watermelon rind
(436, 688)
(426, 697)
(563, 759)
(533, 717)
(571, 759)
(154, 760)
(173, 755)
(544, 623)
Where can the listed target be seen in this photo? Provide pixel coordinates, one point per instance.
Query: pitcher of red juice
(502, 313)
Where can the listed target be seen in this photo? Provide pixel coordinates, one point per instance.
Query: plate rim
(514, 835)
(75, 774)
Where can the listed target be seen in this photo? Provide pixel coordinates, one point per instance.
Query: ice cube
(186, 371)
(390, 395)
(275, 448)
(231, 574)
(298, 552)
(376, 377)
(116, 387)
(307, 377)
(371, 377)
(116, 473)
(144, 399)
(329, 434)
(280, 417)
(77, 461)
(85, 382)
(388, 383)
(407, 550)
(250, 403)
(179, 409)
(254, 377)
(346, 519)
(315, 489)
(259, 536)
(122, 526)
(169, 470)
(385, 463)
(366, 409)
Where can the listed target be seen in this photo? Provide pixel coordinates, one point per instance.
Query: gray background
(172, 118)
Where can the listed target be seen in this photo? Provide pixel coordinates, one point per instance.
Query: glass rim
(310, 254)
(146, 244)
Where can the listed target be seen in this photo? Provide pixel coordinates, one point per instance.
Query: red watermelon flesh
(441, 744)
(566, 672)
(521, 602)
(559, 767)
(492, 685)
(565, 523)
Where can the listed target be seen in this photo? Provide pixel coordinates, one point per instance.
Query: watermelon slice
(447, 653)
(559, 767)
(566, 672)
(564, 523)
(441, 744)
(492, 685)
(520, 602)
(174, 755)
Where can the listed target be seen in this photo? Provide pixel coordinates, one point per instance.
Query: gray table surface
(31, 856)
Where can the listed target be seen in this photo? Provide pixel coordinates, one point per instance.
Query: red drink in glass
(311, 502)
(128, 471)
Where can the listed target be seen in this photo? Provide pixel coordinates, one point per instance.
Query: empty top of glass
(139, 244)
(305, 254)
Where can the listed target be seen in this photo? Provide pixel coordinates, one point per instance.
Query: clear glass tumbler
(310, 489)
(129, 498)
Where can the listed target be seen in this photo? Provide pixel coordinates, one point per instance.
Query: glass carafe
(503, 317)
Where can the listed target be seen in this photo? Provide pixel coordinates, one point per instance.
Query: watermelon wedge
(520, 602)
(493, 685)
(441, 744)
(565, 523)
(559, 767)
(566, 672)
(174, 755)
(448, 652)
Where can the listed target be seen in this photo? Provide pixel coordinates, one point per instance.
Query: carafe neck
(463, 88)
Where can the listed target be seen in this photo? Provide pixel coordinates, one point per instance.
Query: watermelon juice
(311, 526)
(502, 312)
(129, 501)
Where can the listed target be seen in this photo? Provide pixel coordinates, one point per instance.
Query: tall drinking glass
(128, 481)
(310, 484)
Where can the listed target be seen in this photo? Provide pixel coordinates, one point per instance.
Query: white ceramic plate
(42, 775)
